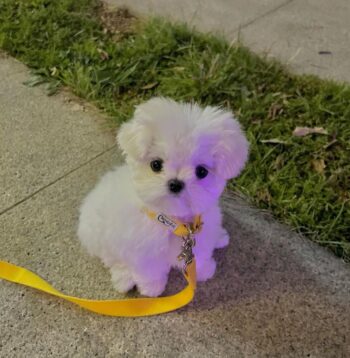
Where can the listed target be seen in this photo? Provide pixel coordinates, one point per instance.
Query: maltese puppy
(178, 159)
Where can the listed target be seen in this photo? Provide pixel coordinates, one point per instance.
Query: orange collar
(178, 228)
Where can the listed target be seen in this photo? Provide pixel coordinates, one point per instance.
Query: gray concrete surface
(274, 293)
(41, 137)
(298, 32)
(293, 31)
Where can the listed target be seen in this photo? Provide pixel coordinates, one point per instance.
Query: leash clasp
(188, 242)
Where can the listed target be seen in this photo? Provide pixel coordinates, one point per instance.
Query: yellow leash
(133, 307)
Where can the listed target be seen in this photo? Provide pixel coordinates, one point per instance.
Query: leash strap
(132, 307)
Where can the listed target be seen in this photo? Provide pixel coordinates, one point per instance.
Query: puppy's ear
(232, 148)
(134, 139)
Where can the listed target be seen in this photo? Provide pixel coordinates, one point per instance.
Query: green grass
(62, 40)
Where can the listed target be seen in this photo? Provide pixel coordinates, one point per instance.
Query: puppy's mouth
(179, 204)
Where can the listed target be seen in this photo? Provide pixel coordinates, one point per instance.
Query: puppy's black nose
(175, 185)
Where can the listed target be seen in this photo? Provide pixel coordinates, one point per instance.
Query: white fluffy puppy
(178, 159)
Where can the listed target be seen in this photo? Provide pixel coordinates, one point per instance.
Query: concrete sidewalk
(274, 294)
(311, 36)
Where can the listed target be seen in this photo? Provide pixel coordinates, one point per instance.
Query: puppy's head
(181, 155)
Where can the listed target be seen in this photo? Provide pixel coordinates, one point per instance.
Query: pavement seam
(250, 22)
(57, 180)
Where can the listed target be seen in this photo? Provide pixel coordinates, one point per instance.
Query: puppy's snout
(175, 185)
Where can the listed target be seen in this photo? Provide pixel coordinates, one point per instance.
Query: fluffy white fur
(113, 226)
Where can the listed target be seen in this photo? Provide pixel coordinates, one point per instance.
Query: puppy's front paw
(152, 288)
(206, 269)
(223, 239)
(121, 279)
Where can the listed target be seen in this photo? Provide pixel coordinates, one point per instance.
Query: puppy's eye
(201, 172)
(156, 165)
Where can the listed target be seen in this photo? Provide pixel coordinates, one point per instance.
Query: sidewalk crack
(57, 180)
(264, 15)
